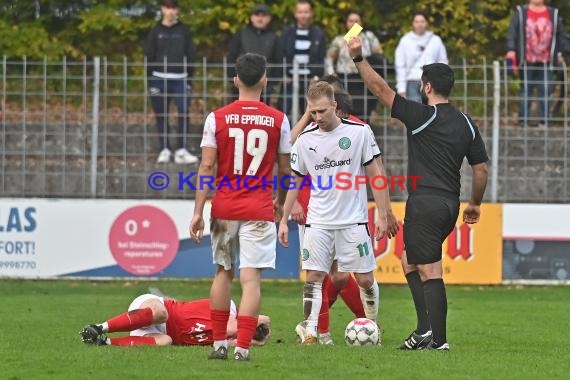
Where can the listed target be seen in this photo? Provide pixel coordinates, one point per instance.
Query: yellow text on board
(472, 253)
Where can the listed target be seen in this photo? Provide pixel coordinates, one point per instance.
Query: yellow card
(353, 32)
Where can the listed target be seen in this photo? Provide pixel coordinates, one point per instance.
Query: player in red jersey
(153, 320)
(344, 285)
(244, 138)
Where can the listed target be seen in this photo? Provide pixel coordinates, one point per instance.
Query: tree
(115, 28)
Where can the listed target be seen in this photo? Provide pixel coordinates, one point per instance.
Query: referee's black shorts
(428, 221)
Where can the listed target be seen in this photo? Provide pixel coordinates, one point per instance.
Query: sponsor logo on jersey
(328, 163)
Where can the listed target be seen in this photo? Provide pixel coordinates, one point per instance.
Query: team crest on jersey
(344, 143)
(305, 254)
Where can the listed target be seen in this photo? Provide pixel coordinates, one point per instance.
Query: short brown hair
(169, 3)
(320, 89)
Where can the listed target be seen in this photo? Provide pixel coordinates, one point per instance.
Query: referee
(439, 137)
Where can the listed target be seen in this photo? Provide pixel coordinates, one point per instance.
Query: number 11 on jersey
(363, 249)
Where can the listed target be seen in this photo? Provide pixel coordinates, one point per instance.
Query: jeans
(413, 90)
(539, 76)
(162, 91)
(287, 99)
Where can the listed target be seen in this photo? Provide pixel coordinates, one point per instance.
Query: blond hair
(320, 89)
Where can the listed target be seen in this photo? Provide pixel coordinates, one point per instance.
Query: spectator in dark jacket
(257, 37)
(304, 43)
(536, 42)
(169, 51)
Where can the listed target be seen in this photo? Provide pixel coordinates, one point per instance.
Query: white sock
(371, 299)
(243, 351)
(104, 326)
(312, 301)
(108, 341)
(220, 343)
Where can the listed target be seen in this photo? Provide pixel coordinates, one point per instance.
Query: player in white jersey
(337, 222)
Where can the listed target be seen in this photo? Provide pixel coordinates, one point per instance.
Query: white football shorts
(253, 241)
(152, 329)
(160, 328)
(351, 247)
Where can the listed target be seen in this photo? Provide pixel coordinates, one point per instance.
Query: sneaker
(310, 340)
(221, 353)
(182, 156)
(416, 341)
(432, 346)
(164, 156)
(93, 334)
(301, 330)
(326, 339)
(240, 357)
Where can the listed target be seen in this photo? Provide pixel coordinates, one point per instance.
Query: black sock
(417, 289)
(436, 301)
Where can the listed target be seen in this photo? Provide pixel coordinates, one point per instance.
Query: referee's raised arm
(375, 83)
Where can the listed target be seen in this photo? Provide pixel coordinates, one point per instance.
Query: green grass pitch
(494, 332)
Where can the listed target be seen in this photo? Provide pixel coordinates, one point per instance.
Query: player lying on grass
(153, 320)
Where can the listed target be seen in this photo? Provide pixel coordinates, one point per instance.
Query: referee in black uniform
(439, 137)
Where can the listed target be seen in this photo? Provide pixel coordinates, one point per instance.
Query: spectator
(535, 43)
(305, 44)
(417, 48)
(339, 62)
(169, 51)
(257, 37)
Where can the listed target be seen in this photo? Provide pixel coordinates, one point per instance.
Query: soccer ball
(362, 332)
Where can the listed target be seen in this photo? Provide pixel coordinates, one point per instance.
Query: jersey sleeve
(414, 115)
(370, 148)
(477, 153)
(209, 135)
(285, 139)
(297, 164)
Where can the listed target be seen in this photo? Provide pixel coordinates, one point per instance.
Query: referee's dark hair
(440, 76)
(250, 68)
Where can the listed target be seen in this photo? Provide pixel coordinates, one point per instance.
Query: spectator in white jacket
(416, 48)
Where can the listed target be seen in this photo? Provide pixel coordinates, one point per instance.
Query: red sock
(220, 323)
(324, 322)
(331, 291)
(246, 329)
(350, 294)
(132, 320)
(129, 341)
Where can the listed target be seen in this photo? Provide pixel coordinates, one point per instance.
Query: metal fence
(86, 129)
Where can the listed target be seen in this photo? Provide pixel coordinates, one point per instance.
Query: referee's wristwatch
(358, 58)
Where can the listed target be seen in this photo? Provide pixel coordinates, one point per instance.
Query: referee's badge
(344, 143)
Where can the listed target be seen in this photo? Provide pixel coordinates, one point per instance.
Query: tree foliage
(117, 28)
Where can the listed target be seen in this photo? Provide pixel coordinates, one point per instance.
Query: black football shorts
(428, 221)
